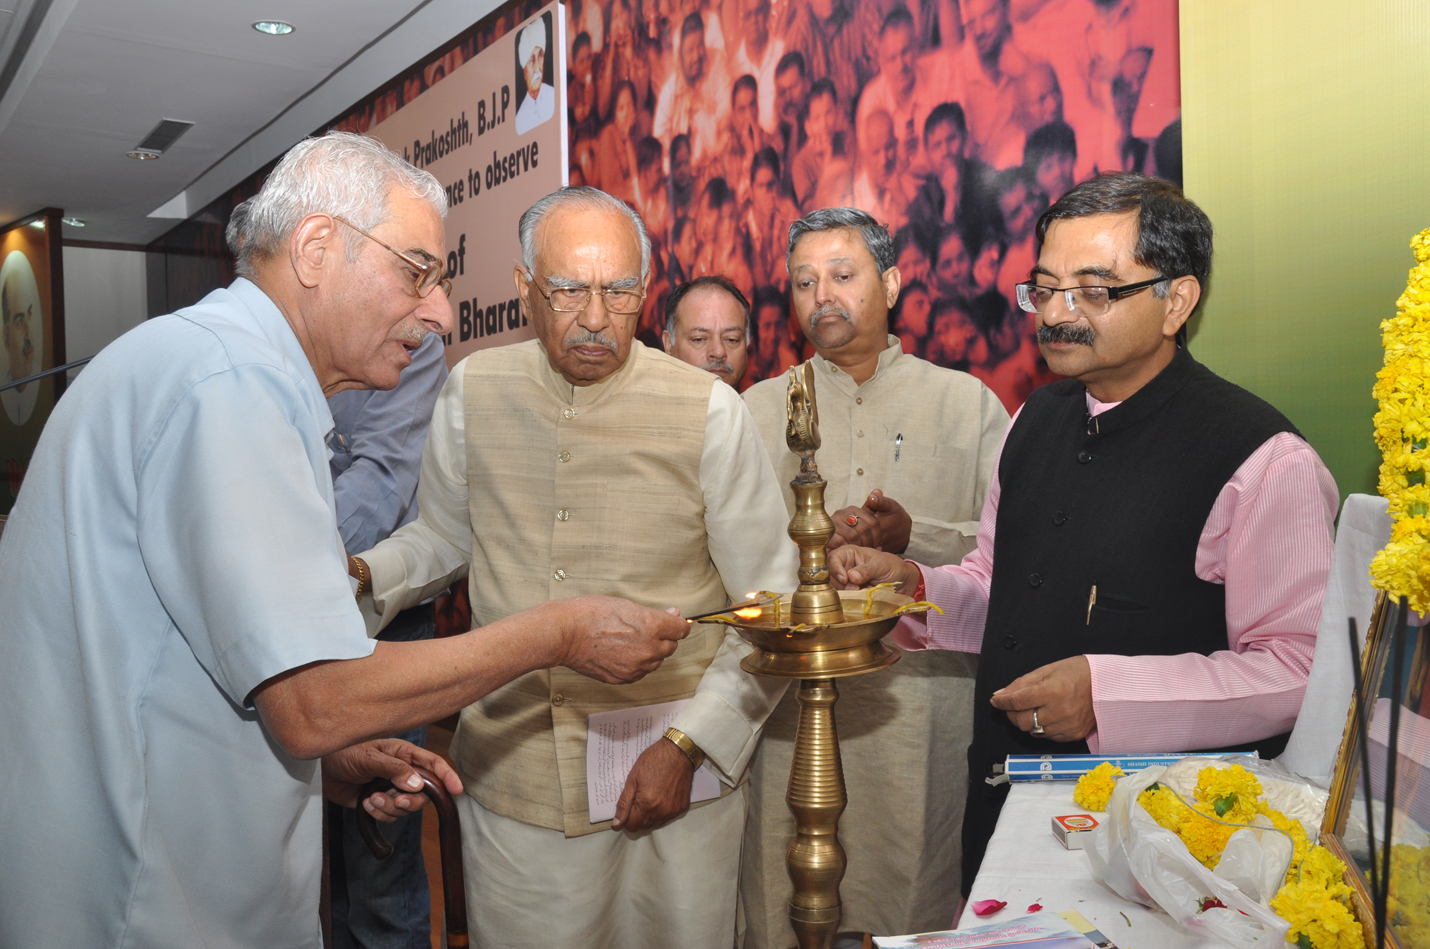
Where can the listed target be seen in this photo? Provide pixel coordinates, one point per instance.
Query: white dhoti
(533, 887)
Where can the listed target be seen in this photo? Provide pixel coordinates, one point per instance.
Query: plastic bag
(1144, 862)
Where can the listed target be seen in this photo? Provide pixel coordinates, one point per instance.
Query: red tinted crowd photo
(953, 122)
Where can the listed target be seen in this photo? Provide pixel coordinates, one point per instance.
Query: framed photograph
(31, 339)
(1372, 784)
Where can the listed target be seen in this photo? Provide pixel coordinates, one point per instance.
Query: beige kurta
(903, 732)
(652, 485)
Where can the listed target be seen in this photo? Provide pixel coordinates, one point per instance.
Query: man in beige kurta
(576, 463)
(925, 439)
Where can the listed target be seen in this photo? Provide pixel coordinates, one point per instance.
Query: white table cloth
(1025, 864)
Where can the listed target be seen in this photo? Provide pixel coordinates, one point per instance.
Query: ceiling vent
(165, 134)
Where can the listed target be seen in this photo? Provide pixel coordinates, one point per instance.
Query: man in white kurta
(925, 439)
(580, 462)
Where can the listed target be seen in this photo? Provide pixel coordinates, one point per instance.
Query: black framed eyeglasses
(622, 301)
(1086, 301)
(430, 274)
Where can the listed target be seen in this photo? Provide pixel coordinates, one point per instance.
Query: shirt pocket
(1117, 624)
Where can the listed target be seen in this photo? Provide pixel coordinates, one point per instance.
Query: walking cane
(449, 833)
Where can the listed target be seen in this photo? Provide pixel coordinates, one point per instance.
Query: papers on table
(614, 740)
(1039, 931)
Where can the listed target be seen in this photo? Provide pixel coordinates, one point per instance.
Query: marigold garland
(1094, 789)
(1315, 897)
(1408, 907)
(1402, 432)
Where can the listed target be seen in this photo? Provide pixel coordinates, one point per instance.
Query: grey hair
(581, 196)
(875, 235)
(237, 230)
(340, 173)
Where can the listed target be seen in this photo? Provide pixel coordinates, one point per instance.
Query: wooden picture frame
(1343, 827)
(32, 338)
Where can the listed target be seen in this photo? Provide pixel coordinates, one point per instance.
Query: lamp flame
(749, 612)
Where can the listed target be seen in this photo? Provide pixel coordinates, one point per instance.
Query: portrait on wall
(536, 96)
(955, 123)
(22, 333)
(29, 329)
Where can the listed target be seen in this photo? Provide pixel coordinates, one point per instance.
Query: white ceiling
(100, 79)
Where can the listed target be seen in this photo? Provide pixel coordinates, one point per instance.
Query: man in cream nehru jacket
(908, 450)
(583, 461)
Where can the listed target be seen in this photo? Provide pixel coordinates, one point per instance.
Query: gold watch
(687, 747)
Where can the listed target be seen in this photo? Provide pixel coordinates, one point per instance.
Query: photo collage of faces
(953, 122)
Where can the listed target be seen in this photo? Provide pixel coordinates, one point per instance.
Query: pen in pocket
(898, 443)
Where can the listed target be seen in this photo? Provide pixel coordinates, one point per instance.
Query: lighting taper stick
(747, 605)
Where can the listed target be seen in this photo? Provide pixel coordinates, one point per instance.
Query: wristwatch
(687, 747)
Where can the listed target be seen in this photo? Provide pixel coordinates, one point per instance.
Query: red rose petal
(987, 907)
(1035, 907)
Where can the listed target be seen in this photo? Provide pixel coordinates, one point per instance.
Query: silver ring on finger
(1037, 729)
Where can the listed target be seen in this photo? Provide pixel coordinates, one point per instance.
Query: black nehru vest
(1119, 502)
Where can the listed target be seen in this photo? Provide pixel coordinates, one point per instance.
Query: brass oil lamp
(817, 634)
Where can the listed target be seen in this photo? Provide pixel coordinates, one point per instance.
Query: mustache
(588, 338)
(1079, 333)
(719, 365)
(832, 309)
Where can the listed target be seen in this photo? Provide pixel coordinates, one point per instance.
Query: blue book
(1072, 767)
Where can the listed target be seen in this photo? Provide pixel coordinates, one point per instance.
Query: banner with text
(494, 133)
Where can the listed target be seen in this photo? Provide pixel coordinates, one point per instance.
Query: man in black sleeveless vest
(1154, 552)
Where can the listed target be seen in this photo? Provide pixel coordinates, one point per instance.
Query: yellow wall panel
(1305, 140)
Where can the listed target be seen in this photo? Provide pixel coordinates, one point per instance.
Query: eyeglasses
(1085, 301)
(429, 275)
(576, 299)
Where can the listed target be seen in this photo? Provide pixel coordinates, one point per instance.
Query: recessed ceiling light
(142, 155)
(72, 221)
(273, 27)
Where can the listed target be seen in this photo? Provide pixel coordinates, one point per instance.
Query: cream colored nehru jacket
(951, 426)
(651, 485)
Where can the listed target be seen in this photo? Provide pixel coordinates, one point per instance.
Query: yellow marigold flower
(1229, 793)
(1205, 838)
(1299, 843)
(1094, 789)
(1314, 913)
(1164, 807)
(1402, 432)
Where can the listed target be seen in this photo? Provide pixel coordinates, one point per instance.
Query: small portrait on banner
(537, 96)
(20, 331)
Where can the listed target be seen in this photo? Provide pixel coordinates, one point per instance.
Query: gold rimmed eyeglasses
(431, 274)
(625, 302)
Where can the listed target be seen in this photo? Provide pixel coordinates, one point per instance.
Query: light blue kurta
(173, 547)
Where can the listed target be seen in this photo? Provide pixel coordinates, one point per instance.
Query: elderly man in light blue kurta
(181, 640)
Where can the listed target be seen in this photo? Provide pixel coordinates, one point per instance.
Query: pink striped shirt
(1267, 540)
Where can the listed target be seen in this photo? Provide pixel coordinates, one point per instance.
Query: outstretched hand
(615, 641)
(346, 771)
(853, 568)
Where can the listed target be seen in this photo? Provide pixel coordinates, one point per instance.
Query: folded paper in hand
(614, 740)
